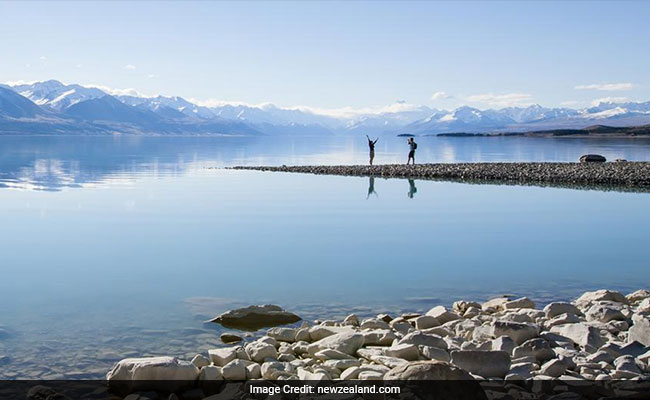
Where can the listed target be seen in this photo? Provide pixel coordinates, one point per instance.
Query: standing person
(412, 147)
(371, 145)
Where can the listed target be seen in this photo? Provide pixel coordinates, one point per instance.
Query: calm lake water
(114, 247)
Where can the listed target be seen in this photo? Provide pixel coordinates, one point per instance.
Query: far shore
(622, 176)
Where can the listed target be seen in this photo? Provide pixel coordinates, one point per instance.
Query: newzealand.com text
(308, 389)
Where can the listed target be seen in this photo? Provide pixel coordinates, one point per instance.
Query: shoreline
(626, 176)
(602, 336)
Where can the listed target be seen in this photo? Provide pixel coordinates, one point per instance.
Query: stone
(346, 342)
(554, 368)
(600, 356)
(600, 295)
(330, 354)
(274, 370)
(552, 310)
(429, 371)
(302, 334)
(235, 370)
(283, 334)
(462, 306)
(200, 361)
(402, 327)
(404, 351)
(352, 320)
(370, 376)
(425, 322)
(228, 338)
(633, 348)
(537, 347)
(342, 364)
(385, 318)
(259, 351)
(644, 306)
(640, 329)
(523, 302)
(441, 314)
(627, 363)
(374, 323)
(581, 334)
(638, 296)
(378, 337)
(390, 362)
(210, 373)
(563, 319)
(434, 353)
(496, 303)
(223, 356)
(255, 317)
(522, 369)
(306, 375)
(519, 332)
(488, 364)
(319, 332)
(604, 312)
(350, 373)
(421, 339)
(503, 343)
(152, 373)
(589, 158)
(472, 312)
(253, 371)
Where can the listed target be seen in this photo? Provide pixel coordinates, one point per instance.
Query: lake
(123, 246)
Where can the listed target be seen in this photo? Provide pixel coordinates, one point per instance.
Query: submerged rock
(253, 318)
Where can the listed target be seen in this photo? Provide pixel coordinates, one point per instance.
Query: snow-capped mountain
(57, 96)
(72, 105)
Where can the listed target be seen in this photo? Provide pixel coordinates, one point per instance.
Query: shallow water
(112, 247)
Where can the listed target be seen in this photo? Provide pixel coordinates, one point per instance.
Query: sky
(338, 55)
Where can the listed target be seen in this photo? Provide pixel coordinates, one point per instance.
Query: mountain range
(51, 107)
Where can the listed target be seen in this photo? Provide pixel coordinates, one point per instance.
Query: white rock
(519, 332)
(253, 371)
(370, 376)
(627, 363)
(347, 342)
(537, 347)
(374, 323)
(378, 337)
(503, 343)
(302, 335)
(496, 303)
(140, 373)
(402, 327)
(330, 354)
(462, 306)
(638, 296)
(200, 361)
(552, 310)
(235, 370)
(350, 373)
(319, 332)
(555, 368)
(342, 364)
(580, 333)
(408, 352)
(600, 356)
(522, 369)
(421, 339)
(640, 330)
(434, 353)
(223, 356)
(306, 375)
(274, 370)
(351, 320)
(210, 373)
(259, 351)
(600, 295)
(523, 302)
(604, 312)
(441, 314)
(425, 322)
(488, 364)
(563, 319)
(283, 334)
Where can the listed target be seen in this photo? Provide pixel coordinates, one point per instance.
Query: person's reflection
(412, 189)
(371, 187)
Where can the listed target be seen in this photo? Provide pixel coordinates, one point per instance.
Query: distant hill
(594, 130)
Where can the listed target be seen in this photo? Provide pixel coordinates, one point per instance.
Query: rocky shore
(612, 175)
(602, 336)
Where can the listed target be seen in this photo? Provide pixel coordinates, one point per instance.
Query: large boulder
(640, 330)
(441, 314)
(537, 347)
(523, 302)
(152, 373)
(259, 351)
(346, 342)
(605, 311)
(422, 339)
(255, 317)
(319, 332)
(517, 331)
(485, 363)
(588, 158)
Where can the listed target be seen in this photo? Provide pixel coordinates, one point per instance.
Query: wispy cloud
(152, 76)
(501, 100)
(118, 92)
(606, 86)
(440, 96)
(569, 103)
(130, 67)
(609, 100)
